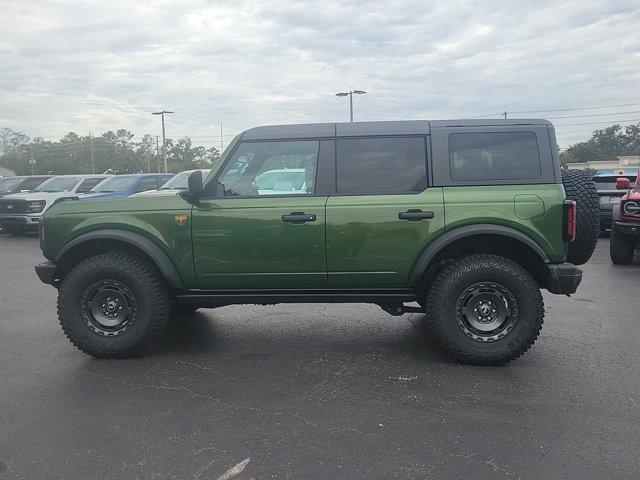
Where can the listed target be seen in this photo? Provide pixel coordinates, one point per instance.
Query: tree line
(118, 151)
(605, 144)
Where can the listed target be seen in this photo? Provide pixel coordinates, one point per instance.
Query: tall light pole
(164, 140)
(350, 93)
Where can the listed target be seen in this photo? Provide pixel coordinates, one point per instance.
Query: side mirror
(195, 187)
(623, 183)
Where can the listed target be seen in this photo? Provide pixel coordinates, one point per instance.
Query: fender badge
(181, 219)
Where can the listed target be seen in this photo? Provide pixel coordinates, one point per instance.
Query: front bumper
(20, 222)
(564, 278)
(628, 228)
(47, 272)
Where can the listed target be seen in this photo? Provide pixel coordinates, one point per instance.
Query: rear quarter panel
(514, 206)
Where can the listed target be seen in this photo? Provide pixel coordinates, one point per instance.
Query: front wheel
(485, 309)
(621, 252)
(113, 305)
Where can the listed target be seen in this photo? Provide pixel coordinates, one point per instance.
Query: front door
(265, 228)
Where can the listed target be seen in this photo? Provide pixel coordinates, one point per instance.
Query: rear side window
(382, 165)
(494, 156)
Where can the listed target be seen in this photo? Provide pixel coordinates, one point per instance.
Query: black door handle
(415, 215)
(299, 217)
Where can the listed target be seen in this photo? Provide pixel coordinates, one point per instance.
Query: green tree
(118, 151)
(604, 145)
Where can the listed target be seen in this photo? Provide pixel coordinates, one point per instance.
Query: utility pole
(32, 161)
(504, 114)
(164, 138)
(93, 162)
(157, 154)
(221, 140)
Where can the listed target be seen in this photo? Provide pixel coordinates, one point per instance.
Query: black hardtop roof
(348, 129)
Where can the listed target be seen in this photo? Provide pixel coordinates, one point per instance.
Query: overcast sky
(93, 66)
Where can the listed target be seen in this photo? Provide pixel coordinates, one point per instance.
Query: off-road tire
(153, 303)
(449, 285)
(579, 186)
(621, 252)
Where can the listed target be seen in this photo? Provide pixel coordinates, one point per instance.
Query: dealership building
(623, 165)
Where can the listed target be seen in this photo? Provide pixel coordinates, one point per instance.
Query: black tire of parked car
(520, 298)
(620, 251)
(92, 294)
(579, 186)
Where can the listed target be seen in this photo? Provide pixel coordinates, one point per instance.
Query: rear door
(265, 228)
(383, 213)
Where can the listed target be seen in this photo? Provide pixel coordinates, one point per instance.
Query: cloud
(93, 66)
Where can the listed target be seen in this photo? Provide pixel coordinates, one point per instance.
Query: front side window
(494, 156)
(271, 168)
(383, 165)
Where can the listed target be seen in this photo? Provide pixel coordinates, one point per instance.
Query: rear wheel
(580, 188)
(113, 305)
(485, 309)
(620, 251)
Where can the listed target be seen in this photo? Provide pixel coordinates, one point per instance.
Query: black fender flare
(157, 255)
(451, 236)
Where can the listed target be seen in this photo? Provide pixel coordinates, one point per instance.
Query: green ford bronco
(468, 218)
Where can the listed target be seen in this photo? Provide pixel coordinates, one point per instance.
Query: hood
(98, 195)
(123, 206)
(154, 193)
(633, 194)
(49, 196)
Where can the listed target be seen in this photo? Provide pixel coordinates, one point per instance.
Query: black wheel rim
(108, 307)
(486, 311)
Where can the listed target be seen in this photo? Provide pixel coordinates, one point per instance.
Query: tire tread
(442, 285)
(154, 285)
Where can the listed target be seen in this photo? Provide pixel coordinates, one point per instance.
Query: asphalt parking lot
(313, 391)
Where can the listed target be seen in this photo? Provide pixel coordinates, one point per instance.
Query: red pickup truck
(625, 229)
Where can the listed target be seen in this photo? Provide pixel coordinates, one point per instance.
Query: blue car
(126, 185)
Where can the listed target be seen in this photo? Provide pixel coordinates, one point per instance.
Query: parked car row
(24, 199)
(611, 188)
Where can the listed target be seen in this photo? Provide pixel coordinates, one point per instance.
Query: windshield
(115, 184)
(58, 184)
(9, 185)
(180, 181)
